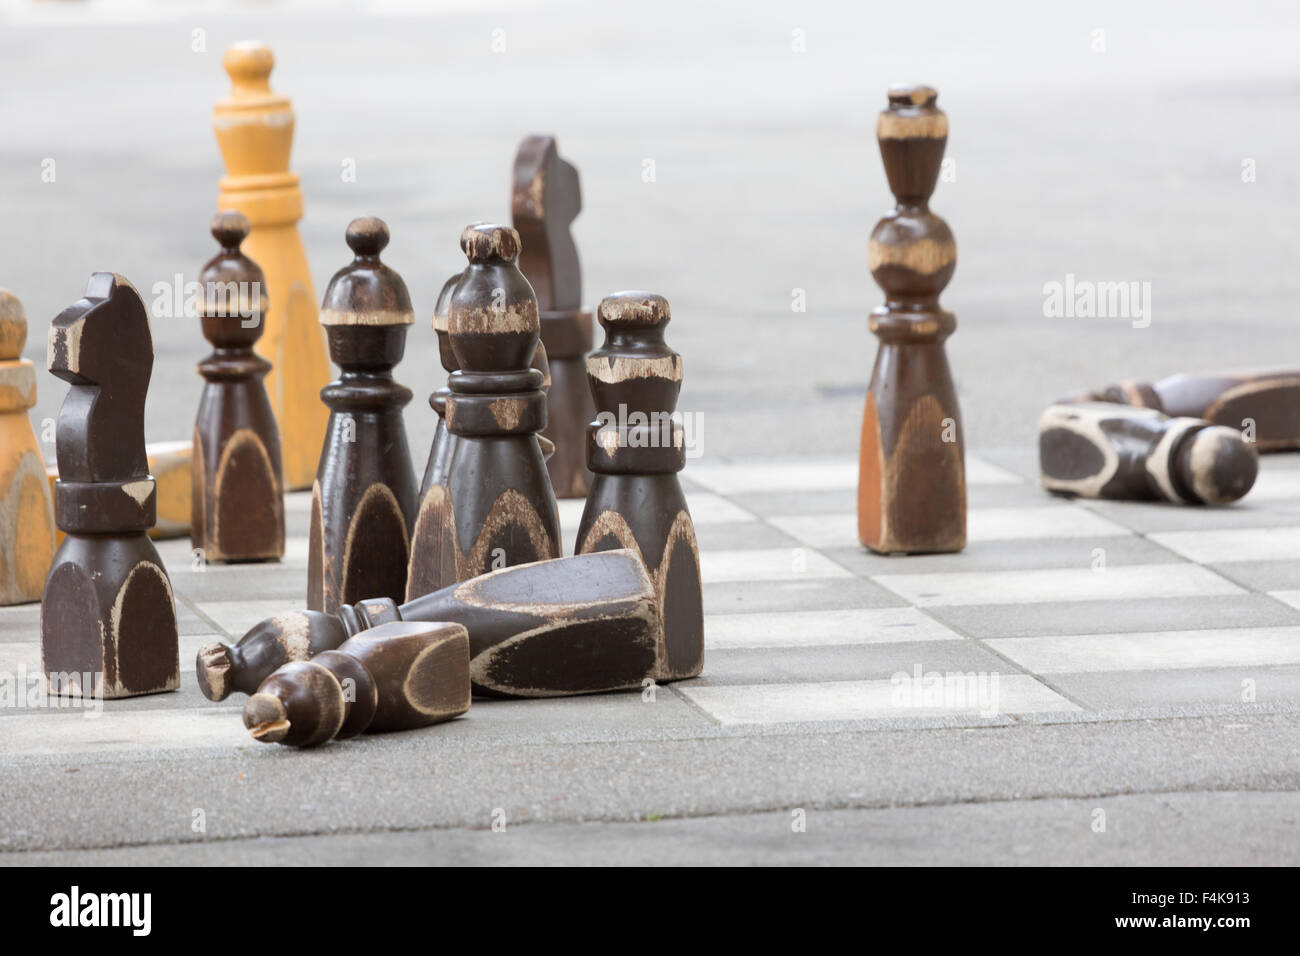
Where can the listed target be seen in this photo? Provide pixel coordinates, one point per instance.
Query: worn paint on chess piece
(108, 608)
(912, 478)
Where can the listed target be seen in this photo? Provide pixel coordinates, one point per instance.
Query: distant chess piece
(363, 503)
(398, 676)
(238, 489)
(1101, 450)
(1263, 405)
(254, 129)
(108, 619)
(578, 625)
(911, 480)
(546, 199)
(433, 555)
(26, 515)
(501, 509)
(636, 500)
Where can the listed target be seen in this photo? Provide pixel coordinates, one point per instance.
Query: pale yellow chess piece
(26, 514)
(254, 129)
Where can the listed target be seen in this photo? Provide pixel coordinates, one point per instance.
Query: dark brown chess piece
(108, 620)
(399, 676)
(911, 480)
(501, 509)
(1264, 405)
(545, 201)
(578, 625)
(236, 478)
(1100, 450)
(636, 449)
(433, 554)
(363, 504)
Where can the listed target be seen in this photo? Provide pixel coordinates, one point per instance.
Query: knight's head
(103, 338)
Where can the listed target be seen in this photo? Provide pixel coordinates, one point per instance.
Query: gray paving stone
(852, 662)
(745, 597)
(1011, 555)
(1172, 688)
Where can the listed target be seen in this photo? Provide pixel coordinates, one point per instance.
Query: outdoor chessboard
(1082, 610)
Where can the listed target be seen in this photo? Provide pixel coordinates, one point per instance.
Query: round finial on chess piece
(230, 228)
(633, 310)
(249, 64)
(911, 95)
(13, 326)
(1219, 466)
(367, 236)
(485, 241)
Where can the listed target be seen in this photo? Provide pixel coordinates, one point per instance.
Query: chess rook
(108, 621)
(545, 200)
(911, 480)
(1263, 404)
(27, 537)
(363, 502)
(237, 483)
(635, 450)
(254, 128)
(1099, 450)
(500, 508)
(577, 625)
(396, 677)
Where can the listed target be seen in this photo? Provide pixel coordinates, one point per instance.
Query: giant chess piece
(254, 129)
(911, 479)
(26, 515)
(238, 488)
(1100, 450)
(500, 507)
(108, 619)
(636, 500)
(577, 625)
(363, 503)
(545, 201)
(1263, 405)
(398, 676)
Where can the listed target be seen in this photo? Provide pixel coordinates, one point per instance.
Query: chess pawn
(578, 625)
(108, 620)
(26, 515)
(1265, 405)
(254, 129)
(545, 200)
(501, 510)
(238, 490)
(363, 502)
(433, 556)
(636, 499)
(911, 479)
(398, 676)
(1101, 450)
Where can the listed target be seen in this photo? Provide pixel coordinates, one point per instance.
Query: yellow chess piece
(26, 515)
(254, 129)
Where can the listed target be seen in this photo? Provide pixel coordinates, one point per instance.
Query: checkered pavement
(1057, 610)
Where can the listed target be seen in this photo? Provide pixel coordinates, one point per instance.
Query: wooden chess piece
(501, 510)
(238, 489)
(363, 502)
(108, 620)
(911, 480)
(433, 555)
(545, 201)
(1099, 450)
(577, 625)
(636, 500)
(26, 514)
(399, 676)
(254, 129)
(1265, 405)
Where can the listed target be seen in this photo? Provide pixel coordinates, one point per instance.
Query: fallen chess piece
(1100, 450)
(1265, 404)
(399, 676)
(579, 625)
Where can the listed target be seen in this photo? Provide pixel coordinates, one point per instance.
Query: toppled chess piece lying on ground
(1100, 450)
(578, 625)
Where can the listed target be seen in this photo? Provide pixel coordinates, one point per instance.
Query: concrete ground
(1149, 143)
